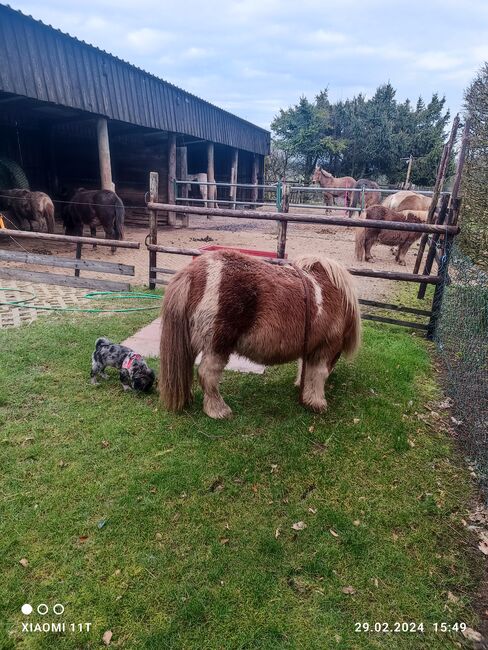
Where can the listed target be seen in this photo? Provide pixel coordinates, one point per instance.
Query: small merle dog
(135, 374)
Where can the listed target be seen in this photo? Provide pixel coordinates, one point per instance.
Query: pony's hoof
(319, 406)
(401, 262)
(218, 411)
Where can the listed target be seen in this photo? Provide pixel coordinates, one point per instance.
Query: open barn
(72, 115)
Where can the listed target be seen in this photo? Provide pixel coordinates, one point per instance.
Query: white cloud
(148, 40)
(438, 61)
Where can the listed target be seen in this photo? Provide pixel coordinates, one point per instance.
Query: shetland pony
(367, 237)
(31, 208)
(407, 200)
(227, 302)
(92, 208)
(328, 182)
(370, 198)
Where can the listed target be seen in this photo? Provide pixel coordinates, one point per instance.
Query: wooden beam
(283, 225)
(254, 177)
(68, 239)
(104, 155)
(153, 226)
(212, 189)
(63, 280)
(171, 177)
(181, 175)
(66, 262)
(307, 218)
(233, 176)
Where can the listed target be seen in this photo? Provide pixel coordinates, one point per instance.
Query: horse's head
(316, 175)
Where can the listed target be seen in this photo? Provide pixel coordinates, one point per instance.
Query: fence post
(433, 245)
(254, 179)
(233, 177)
(283, 225)
(278, 196)
(78, 257)
(182, 174)
(153, 225)
(439, 288)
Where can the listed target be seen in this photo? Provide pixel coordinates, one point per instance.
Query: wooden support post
(181, 175)
(455, 201)
(433, 245)
(171, 177)
(283, 225)
(233, 177)
(153, 226)
(104, 155)
(439, 289)
(439, 182)
(212, 189)
(254, 178)
(78, 257)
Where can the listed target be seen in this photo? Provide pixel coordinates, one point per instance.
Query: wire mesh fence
(462, 341)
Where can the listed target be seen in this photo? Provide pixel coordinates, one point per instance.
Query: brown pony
(366, 237)
(407, 200)
(93, 208)
(370, 198)
(227, 302)
(29, 208)
(328, 182)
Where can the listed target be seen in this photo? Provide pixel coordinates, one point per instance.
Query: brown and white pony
(95, 208)
(227, 302)
(367, 237)
(370, 198)
(29, 208)
(328, 182)
(407, 200)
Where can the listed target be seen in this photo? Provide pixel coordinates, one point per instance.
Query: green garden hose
(93, 295)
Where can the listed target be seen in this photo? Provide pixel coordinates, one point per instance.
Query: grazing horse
(227, 302)
(29, 208)
(328, 182)
(93, 208)
(370, 198)
(366, 237)
(407, 200)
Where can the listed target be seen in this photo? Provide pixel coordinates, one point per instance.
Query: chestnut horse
(366, 237)
(370, 198)
(227, 302)
(328, 182)
(407, 200)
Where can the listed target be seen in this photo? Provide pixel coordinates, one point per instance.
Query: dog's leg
(209, 374)
(97, 369)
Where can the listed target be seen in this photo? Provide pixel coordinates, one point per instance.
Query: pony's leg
(368, 245)
(93, 233)
(209, 374)
(401, 252)
(299, 373)
(316, 373)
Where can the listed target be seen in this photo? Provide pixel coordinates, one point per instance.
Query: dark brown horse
(29, 208)
(370, 198)
(95, 208)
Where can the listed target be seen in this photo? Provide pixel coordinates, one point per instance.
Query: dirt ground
(333, 241)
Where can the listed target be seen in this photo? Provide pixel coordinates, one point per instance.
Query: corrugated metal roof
(43, 63)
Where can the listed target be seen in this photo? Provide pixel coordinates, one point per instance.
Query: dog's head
(139, 376)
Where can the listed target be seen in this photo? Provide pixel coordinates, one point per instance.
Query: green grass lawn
(176, 531)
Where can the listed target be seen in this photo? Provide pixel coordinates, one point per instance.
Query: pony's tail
(176, 351)
(49, 215)
(119, 219)
(359, 244)
(353, 203)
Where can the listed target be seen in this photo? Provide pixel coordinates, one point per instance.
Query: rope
(93, 295)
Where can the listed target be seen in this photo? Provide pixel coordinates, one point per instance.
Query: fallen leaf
(356, 420)
(101, 523)
(153, 489)
(62, 463)
(224, 540)
(82, 539)
(107, 637)
(472, 635)
(376, 583)
(313, 511)
(348, 590)
(105, 444)
(217, 485)
(117, 572)
(457, 423)
(452, 597)
(255, 488)
(394, 536)
(333, 532)
(277, 533)
(356, 522)
(274, 468)
(159, 536)
(299, 525)
(446, 403)
(24, 562)
(311, 429)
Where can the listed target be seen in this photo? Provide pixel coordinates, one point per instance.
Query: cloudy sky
(254, 57)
